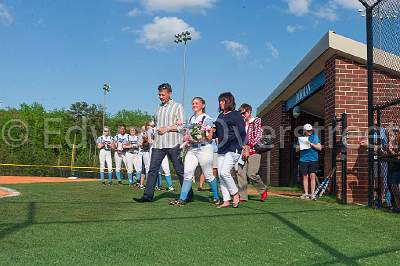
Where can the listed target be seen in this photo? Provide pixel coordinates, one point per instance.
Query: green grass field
(85, 223)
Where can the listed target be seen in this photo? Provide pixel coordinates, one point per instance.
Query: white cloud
(327, 12)
(134, 12)
(238, 50)
(299, 7)
(351, 4)
(5, 16)
(177, 5)
(293, 28)
(274, 51)
(161, 32)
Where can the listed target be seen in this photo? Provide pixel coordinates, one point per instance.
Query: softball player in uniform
(145, 150)
(200, 152)
(104, 143)
(151, 132)
(120, 152)
(133, 156)
(167, 173)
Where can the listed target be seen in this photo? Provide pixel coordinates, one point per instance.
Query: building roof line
(339, 45)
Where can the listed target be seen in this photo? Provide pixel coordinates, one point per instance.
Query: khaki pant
(250, 170)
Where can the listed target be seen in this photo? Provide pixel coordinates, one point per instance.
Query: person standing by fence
(309, 146)
(104, 144)
(394, 169)
(251, 159)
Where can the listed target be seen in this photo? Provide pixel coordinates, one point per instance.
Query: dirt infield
(6, 180)
(253, 191)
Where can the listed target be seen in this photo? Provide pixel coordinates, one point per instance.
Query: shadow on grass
(339, 256)
(32, 206)
(172, 195)
(30, 219)
(336, 254)
(372, 254)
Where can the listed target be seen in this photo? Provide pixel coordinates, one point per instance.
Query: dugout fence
(383, 53)
(339, 157)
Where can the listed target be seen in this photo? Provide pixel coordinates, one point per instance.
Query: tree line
(32, 135)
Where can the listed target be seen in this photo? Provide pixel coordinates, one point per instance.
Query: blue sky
(59, 52)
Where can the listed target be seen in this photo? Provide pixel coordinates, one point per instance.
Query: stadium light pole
(183, 37)
(106, 89)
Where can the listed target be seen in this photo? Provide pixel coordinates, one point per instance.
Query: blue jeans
(157, 155)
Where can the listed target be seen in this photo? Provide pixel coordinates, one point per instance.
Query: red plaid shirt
(254, 133)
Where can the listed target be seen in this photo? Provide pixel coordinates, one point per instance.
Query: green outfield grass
(85, 223)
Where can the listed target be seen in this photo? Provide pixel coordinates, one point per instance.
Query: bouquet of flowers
(195, 133)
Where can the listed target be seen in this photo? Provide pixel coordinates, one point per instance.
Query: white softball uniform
(120, 152)
(201, 153)
(133, 155)
(105, 153)
(165, 166)
(146, 155)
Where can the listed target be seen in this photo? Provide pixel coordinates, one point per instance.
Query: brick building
(330, 80)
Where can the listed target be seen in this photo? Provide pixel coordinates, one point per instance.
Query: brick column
(346, 91)
(277, 119)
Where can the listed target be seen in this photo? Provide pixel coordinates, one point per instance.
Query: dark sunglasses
(243, 113)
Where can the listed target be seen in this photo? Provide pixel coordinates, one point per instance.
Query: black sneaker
(141, 200)
(103, 183)
(110, 183)
(120, 183)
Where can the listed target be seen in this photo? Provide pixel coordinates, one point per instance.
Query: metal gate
(339, 150)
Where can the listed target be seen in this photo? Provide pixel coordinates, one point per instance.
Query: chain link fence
(383, 40)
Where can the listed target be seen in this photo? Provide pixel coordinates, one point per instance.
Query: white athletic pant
(118, 158)
(134, 160)
(225, 164)
(203, 156)
(146, 161)
(105, 157)
(164, 164)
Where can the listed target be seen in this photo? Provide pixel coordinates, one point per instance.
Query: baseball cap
(307, 127)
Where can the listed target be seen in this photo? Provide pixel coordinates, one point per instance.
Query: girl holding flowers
(197, 141)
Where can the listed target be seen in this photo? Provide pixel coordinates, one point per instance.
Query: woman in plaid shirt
(250, 165)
